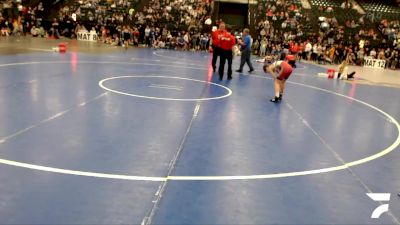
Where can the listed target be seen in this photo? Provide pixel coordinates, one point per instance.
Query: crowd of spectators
(182, 24)
(323, 34)
(16, 19)
(330, 36)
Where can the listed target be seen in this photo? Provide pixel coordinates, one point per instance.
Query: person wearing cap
(215, 36)
(280, 71)
(226, 41)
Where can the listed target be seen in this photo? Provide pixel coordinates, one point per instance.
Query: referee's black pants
(216, 53)
(226, 55)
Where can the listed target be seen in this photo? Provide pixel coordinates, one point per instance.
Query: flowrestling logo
(382, 198)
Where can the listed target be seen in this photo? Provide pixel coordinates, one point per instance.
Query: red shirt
(301, 47)
(291, 44)
(295, 48)
(215, 36)
(227, 41)
(290, 58)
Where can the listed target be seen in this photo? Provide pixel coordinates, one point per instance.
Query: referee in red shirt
(216, 46)
(226, 41)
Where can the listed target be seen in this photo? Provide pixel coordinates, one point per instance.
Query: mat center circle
(165, 88)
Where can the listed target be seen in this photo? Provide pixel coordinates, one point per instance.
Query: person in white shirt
(307, 50)
(34, 31)
(372, 54)
(186, 39)
(263, 47)
(314, 52)
(147, 36)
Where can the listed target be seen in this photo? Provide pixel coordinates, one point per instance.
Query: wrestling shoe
(275, 100)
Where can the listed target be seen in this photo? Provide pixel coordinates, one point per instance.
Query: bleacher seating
(386, 6)
(326, 3)
(300, 24)
(184, 14)
(348, 19)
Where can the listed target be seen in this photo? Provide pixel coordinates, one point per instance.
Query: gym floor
(100, 135)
